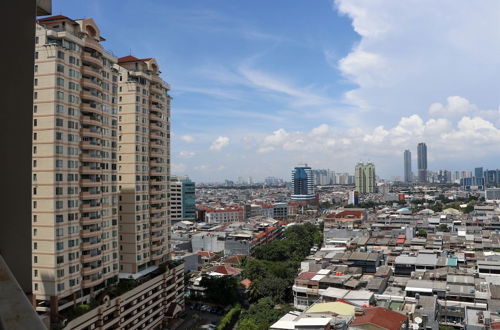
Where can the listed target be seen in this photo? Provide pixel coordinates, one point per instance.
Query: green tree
(422, 233)
(262, 314)
(222, 290)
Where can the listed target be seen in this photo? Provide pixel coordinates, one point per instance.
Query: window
(60, 55)
(60, 82)
(59, 246)
(35, 259)
(36, 68)
(60, 286)
(59, 190)
(60, 95)
(35, 245)
(59, 163)
(59, 150)
(59, 122)
(72, 60)
(59, 108)
(35, 95)
(36, 82)
(59, 218)
(60, 68)
(59, 205)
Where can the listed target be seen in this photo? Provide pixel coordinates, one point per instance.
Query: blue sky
(259, 86)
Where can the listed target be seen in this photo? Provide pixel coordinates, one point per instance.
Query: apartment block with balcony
(143, 165)
(75, 193)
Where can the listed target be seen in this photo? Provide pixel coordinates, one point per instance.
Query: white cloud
(219, 143)
(414, 52)
(186, 154)
(187, 138)
(456, 107)
(321, 130)
(443, 135)
(178, 168)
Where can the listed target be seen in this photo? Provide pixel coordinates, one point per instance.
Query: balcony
(155, 135)
(92, 245)
(90, 183)
(88, 95)
(90, 170)
(90, 207)
(90, 71)
(90, 145)
(87, 120)
(91, 158)
(90, 133)
(153, 117)
(156, 219)
(91, 283)
(86, 258)
(86, 107)
(92, 60)
(87, 233)
(87, 271)
(87, 221)
(91, 83)
(155, 89)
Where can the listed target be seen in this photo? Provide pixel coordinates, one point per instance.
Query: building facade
(182, 199)
(365, 178)
(422, 162)
(75, 193)
(407, 167)
(302, 184)
(143, 164)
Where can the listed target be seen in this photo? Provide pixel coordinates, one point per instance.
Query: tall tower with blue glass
(302, 183)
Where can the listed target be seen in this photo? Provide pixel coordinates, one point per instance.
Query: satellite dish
(418, 320)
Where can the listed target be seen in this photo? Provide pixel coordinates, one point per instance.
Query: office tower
(478, 172)
(182, 199)
(302, 183)
(422, 162)
(143, 164)
(365, 178)
(407, 166)
(75, 195)
(490, 177)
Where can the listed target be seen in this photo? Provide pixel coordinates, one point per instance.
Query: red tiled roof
(306, 275)
(206, 254)
(54, 18)
(227, 270)
(402, 236)
(130, 58)
(381, 317)
(400, 241)
(234, 260)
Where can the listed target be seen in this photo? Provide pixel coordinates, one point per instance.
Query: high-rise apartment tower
(365, 178)
(407, 166)
(74, 178)
(143, 164)
(422, 162)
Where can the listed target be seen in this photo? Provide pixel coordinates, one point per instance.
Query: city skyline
(248, 110)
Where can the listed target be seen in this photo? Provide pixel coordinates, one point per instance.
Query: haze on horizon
(261, 86)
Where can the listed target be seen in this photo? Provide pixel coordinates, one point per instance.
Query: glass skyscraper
(302, 183)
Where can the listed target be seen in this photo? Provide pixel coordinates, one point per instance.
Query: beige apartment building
(101, 170)
(143, 165)
(74, 177)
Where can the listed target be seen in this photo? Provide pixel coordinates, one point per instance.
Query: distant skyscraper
(478, 172)
(302, 183)
(422, 162)
(407, 165)
(365, 178)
